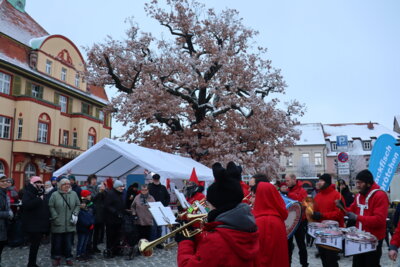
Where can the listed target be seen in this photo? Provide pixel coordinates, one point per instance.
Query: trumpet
(193, 208)
(146, 247)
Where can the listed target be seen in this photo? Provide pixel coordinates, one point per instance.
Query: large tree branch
(172, 123)
(116, 79)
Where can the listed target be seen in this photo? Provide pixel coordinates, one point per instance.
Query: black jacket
(99, 201)
(35, 212)
(160, 193)
(77, 190)
(114, 207)
(348, 196)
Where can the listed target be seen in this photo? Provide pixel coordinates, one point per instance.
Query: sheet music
(162, 215)
(181, 199)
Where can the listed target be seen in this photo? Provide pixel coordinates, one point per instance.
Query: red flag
(193, 177)
(168, 185)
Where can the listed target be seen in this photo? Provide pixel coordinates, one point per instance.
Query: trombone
(146, 247)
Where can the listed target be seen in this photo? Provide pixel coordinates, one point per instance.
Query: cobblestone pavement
(17, 257)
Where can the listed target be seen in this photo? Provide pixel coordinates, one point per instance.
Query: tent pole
(108, 164)
(128, 171)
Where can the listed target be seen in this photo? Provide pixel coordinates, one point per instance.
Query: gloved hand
(10, 214)
(352, 216)
(74, 219)
(180, 237)
(316, 216)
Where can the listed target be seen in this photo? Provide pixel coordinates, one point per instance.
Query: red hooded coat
(270, 212)
(374, 218)
(197, 197)
(298, 193)
(219, 246)
(324, 202)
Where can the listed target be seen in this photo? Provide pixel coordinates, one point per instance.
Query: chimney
(370, 125)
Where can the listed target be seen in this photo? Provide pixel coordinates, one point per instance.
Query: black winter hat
(225, 193)
(234, 171)
(365, 176)
(327, 178)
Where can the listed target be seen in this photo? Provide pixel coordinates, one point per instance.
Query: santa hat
(85, 193)
(193, 177)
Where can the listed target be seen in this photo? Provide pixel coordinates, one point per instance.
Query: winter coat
(77, 190)
(129, 193)
(35, 211)
(114, 207)
(196, 197)
(270, 212)
(98, 202)
(374, 218)
(348, 196)
(160, 193)
(142, 210)
(297, 192)
(4, 214)
(231, 240)
(395, 242)
(85, 220)
(324, 202)
(60, 212)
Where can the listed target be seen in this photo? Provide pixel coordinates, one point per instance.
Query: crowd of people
(245, 223)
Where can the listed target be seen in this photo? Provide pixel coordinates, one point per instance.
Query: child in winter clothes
(85, 225)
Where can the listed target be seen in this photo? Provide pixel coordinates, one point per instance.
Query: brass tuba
(146, 247)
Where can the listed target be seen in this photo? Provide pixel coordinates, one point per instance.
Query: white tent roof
(117, 159)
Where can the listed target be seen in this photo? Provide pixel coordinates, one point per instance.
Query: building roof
(19, 25)
(311, 134)
(363, 131)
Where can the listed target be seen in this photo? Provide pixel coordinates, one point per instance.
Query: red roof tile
(98, 91)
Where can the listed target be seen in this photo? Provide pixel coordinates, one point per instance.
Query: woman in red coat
(270, 212)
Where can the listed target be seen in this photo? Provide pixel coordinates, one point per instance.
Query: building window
(63, 74)
(318, 159)
(37, 91)
(367, 145)
(77, 80)
(63, 102)
(65, 138)
(91, 137)
(48, 66)
(5, 126)
(43, 128)
(85, 108)
(305, 158)
(30, 170)
(19, 133)
(5, 81)
(101, 115)
(75, 139)
(289, 161)
(2, 168)
(333, 146)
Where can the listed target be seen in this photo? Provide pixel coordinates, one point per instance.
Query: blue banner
(385, 158)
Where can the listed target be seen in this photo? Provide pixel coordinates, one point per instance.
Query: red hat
(283, 184)
(193, 177)
(85, 193)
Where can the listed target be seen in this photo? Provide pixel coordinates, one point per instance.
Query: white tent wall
(111, 158)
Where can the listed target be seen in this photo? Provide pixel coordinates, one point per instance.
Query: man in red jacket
(325, 209)
(230, 238)
(297, 192)
(369, 210)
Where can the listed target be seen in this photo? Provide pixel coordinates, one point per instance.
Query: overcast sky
(340, 58)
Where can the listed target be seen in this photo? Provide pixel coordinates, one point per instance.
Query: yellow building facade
(49, 114)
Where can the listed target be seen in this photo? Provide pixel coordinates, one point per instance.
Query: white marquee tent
(111, 158)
